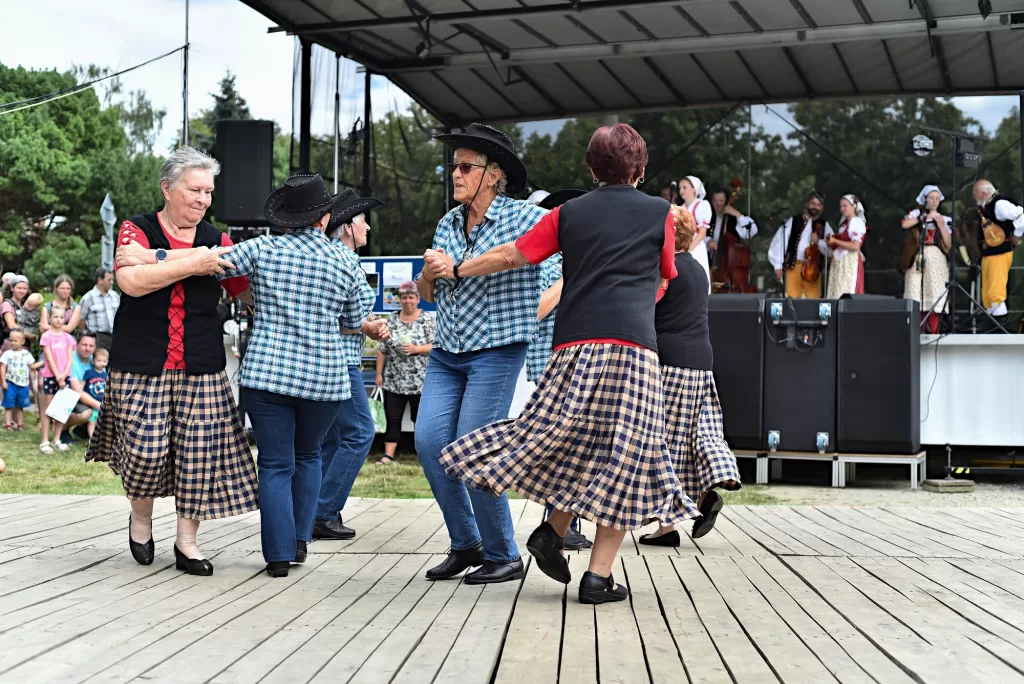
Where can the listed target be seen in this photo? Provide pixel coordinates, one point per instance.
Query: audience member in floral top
(402, 364)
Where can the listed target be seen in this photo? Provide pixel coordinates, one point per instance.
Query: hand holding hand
(439, 262)
(377, 329)
(206, 261)
(133, 254)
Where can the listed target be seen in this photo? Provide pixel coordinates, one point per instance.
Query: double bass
(730, 270)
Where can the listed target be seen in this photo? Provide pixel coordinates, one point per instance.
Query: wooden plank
(474, 655)
(771, 516)
(787, 655)
(959, 530)
(714, 543)
(997, 577)
(843, 544)
(926, 663)
(839, 629)
(368, 522)
(383, 533)
(47, 569)
(620, 656)
(856, 519)
(579, 633)
(417, 534)
(877, 545)
(631, 545)
(261, 661)
(781, 543)
(426, 659)
(743, 661)
(663, 661)
(923, 532)
(744, 543)
(534, 636)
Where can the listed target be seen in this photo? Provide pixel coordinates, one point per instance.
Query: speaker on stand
(245, 150)
(737, 334)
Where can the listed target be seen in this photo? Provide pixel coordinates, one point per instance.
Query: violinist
(795, 256)
(1002, 222)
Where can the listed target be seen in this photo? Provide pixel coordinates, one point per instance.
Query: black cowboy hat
(349, 206)
(299, 202)
(560, 197)
(498, 148)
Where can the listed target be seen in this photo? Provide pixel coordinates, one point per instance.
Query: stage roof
(515, 60)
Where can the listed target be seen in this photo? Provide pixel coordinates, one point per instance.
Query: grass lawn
(31, 472)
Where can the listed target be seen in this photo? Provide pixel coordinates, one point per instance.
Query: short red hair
(617, 154)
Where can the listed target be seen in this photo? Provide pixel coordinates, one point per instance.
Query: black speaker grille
(245, 150)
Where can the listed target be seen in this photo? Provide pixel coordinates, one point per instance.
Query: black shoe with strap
(495, 572)
(456, 562)
(667, 539)
(709, 509)
(142, 553)
(546, 547)
(595, 589)
(332, 529)
(193, 566)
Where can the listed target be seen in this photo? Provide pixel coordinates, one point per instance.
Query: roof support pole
(305, 99)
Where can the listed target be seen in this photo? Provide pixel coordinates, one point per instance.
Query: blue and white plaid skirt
(177, 435)
(591, 441)
(693, 429)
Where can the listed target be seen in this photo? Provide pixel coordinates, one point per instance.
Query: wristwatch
(161, 254)
(455, 272)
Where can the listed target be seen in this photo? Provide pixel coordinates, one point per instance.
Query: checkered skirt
(177, 435)
(590, 441)
(693, 429)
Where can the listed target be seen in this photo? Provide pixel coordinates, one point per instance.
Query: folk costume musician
(789, 247)
(847, 272)
(727, 219)
(926, 270)
(1002, 224)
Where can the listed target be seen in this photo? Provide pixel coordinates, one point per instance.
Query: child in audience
(16, 365)
(58, 349)
(95, 380)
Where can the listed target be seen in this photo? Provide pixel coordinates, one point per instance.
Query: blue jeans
(345, 448)
(288, 434)
(463, 392)
(574, 525)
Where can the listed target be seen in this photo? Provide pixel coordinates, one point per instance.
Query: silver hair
(481, 158)
(339, 232)
(988, 188)
(183, 159)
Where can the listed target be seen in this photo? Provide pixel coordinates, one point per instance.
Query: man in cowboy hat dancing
(483, 328)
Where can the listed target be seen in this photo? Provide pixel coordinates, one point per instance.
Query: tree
(228, 104)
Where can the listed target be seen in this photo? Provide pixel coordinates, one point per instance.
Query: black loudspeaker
(737, 332)
(879, 378)
(245, 150)
(800, 344)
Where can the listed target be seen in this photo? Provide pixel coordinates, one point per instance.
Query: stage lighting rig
(922, 145)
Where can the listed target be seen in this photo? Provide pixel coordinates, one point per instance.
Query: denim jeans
(463, 392)
(288, 434)
(345, 448)
(574, 525)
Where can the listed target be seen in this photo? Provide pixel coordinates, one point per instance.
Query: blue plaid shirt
(539, 351)
(302, 284)
(494, 310)
(352, 343)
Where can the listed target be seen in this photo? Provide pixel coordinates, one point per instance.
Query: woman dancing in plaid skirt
(693, 416)
(591, 441)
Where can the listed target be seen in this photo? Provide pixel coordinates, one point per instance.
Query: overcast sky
(226, 34)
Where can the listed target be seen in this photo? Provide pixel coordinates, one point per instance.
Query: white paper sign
(62, 404)
(397, 273)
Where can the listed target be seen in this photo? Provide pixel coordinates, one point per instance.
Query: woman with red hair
(591, 441)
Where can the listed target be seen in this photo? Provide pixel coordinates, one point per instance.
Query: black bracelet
(455, 272)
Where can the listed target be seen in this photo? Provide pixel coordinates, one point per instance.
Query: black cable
(83, 86)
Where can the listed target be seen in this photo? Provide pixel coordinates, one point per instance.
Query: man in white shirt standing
(788, 247)
(99, 306)
(1002, 225)
(725, 217)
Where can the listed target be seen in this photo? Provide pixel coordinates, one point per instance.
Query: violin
(811, 270)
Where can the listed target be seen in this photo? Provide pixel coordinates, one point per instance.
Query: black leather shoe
(546, 548)
(300, 551)
(595, 589)
(332, 529)
(456, 562)
(142, 553)
(278, 568)
(667, 539)
(193, 566)
(494, 572)
(709, 509)
(575, 541)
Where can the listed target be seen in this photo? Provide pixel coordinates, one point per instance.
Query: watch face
(161, 254)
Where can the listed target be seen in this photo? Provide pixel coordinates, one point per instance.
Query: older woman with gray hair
(168, 425)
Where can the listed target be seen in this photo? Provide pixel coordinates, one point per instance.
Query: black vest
(139, 344)
(989, 212)
(611, 241)
(681, 318)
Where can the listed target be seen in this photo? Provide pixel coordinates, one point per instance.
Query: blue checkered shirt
(539, 351)
(302, 284)
(494, 310)
(352, 343)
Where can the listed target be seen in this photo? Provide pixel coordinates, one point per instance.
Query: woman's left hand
(833, 243)
(439, 262)
(132, 254)
(410, 349)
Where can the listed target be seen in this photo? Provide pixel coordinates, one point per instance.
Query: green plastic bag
(380, 421)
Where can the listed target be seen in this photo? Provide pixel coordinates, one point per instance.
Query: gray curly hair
(183, 159)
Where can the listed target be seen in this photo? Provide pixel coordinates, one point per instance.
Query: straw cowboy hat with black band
(300, 202)
(496, 146)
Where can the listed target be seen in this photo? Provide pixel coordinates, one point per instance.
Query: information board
(386, 275)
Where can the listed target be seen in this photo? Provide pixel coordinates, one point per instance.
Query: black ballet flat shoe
(546, 547)
(456, 562)
(278, 568)
(576, 541)
(709, 509)
(142, 553)
(667, 539)
(595, 590)
(300, 551)
(193, 566)
(496, 572)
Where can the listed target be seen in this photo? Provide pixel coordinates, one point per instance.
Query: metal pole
(952, 251)
(184, 86)
(305, 99)
(337, 116)
(367, 142)
(750, 151)
(447, 176)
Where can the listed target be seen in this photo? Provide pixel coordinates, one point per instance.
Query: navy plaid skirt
(177, 435)
(693, 429)
(591, 441)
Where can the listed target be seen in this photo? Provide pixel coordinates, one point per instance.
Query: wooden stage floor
(775, 594)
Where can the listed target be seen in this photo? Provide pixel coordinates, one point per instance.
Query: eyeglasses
(465, 168)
